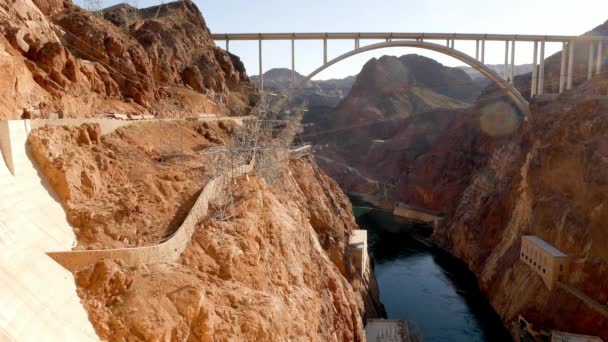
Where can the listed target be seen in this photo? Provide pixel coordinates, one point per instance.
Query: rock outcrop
(365, 140)
(279, 270)
(57, 58)
(132, 187)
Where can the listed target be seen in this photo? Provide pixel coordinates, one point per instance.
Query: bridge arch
(518, 100)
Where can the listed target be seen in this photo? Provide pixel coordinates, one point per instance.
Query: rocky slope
(58, 58)
(280, 270)
(132, 187)
(547, 180)
(364, 138)
(322, 96)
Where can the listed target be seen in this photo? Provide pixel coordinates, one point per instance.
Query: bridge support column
(227, 45)
(599, 57)
(512, 76)
(570, 65)
(447, 43)
(562, 70)
(357, 43)
(534, 74)
(541, 72)
(483, 51)
(477, 49)
(261, 69)
(506, 73)
(452, 44)
(590, 61)
(293, 63)
(325, 51)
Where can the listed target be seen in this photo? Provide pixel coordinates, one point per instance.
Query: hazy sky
(567, 17)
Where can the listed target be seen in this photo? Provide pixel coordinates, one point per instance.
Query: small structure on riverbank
(358, 249)
(546, 260)
(418, 214)
(389, 330)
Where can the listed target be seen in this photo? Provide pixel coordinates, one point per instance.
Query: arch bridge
(420, 40)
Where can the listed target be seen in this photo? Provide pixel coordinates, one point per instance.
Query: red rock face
(395, 112)
(280, 270)
(546, 180)
(58, 58)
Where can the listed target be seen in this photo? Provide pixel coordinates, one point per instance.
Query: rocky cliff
(548, 180)
(365, 139)
(280, 269)
(132, 187)
(58, 58)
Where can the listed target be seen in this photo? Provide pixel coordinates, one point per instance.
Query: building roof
(547, 247)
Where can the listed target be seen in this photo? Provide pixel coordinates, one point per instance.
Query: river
(421, 283)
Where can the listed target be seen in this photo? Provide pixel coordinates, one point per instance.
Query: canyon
(111, 127)
(114, 125)
(495, 174)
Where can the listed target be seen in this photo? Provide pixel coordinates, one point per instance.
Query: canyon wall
(396, 110)
(58, 58)
(548, 179)
(280, 269)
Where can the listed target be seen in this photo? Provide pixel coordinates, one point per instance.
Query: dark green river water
(422, 283)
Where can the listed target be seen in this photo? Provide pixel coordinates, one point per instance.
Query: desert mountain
(322, 96)
(498, 68)
(362, 137)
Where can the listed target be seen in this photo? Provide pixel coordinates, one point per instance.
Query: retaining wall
(167, 251)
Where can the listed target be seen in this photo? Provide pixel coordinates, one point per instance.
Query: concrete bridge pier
(534, 73)
(590, 61)
(506, 73)
(325, 51)
(483, 51)
(293, 63)
(570, 64)
(562, 70)
(599, 57)
(477, 49)
(541, 71)
(512, 76)
(261, 68)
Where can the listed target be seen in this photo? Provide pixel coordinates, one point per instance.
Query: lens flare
(499, 119)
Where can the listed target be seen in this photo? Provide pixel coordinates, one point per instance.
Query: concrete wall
(415, 214)
(169, 250)
(5, 145)
(358, 248)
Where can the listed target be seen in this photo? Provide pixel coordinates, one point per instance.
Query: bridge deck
(400, 35)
